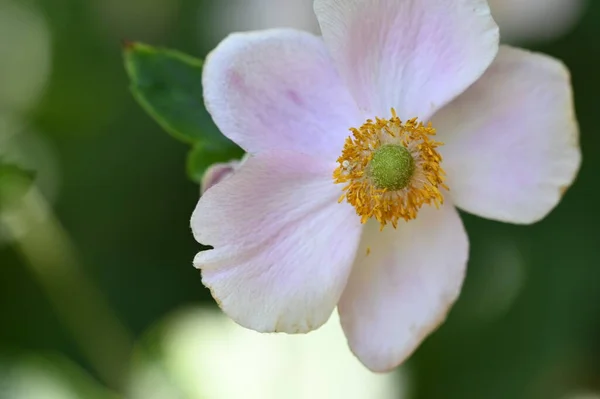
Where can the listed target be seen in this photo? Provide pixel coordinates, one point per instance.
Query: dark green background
(126, 202)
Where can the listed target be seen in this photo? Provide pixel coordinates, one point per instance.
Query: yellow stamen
(389, 206)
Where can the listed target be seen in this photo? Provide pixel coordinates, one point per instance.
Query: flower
(519, 20)
(348, 199)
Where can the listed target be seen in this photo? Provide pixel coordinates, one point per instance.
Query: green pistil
(391, 168)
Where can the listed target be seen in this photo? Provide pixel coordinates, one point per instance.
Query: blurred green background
(527, 324)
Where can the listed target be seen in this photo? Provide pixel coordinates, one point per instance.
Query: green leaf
(203, 155)
(168, 85)
(14, 183)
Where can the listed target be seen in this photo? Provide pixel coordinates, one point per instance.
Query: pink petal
(283, 246)
(218, 172)
(402, 285)
(512, 144)
(413, 55)
(278, 89)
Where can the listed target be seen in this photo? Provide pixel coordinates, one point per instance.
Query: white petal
(402, 285)
(414, 55)
(278, 89)
(512, 144)
(283, 246)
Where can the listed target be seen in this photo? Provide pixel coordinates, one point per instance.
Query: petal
(278, 89)
(413, 55)
(512, 139)
(402, 285)
(218, 172)
(283, 246)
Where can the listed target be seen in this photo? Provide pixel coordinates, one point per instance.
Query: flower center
(390, 169)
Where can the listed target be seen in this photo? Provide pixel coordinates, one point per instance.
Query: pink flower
(344, 199)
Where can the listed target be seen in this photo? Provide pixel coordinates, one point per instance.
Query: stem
(50, 255)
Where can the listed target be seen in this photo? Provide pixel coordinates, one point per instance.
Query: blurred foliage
(14, 183)
(48, 377)
(126, 205)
